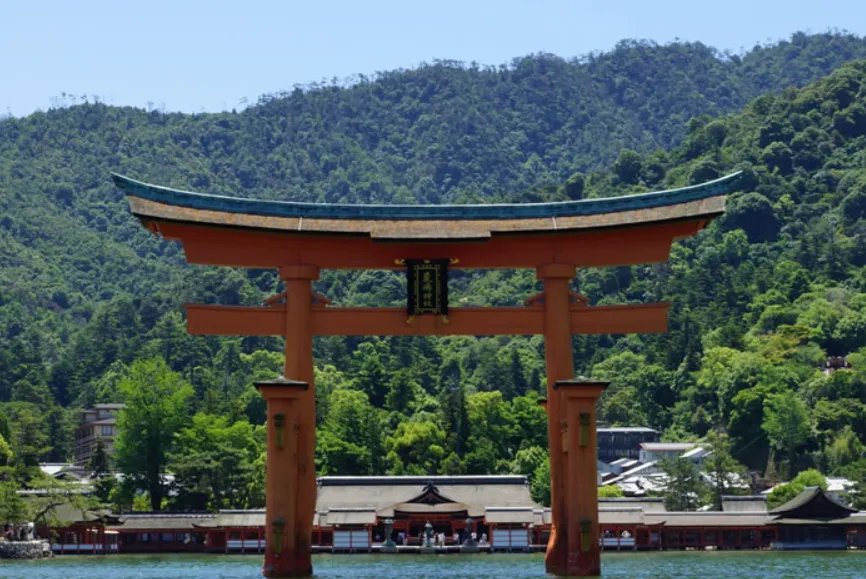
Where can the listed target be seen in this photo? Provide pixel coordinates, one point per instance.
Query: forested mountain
(90, 302)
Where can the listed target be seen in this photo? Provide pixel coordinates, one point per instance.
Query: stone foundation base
(24, 549)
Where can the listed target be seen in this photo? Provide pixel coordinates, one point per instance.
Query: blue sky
(209, 55)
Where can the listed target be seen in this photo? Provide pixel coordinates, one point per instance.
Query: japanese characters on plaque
(427, 287)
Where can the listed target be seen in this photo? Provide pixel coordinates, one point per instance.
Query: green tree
(213, 463)
(783, 493)
(100, 472)
(610, 492)
(685, 486)
(29, 440)
(726, 475)
(787, 424)
(574, 186)
(628, 166)
(539, 488)
(13, 509)
(415, 448)
(157, 407)
(845, 449)
(5, 452)
(527, 460)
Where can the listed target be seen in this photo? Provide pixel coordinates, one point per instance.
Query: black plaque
(427, 287)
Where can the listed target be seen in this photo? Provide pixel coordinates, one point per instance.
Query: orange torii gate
(300, 239)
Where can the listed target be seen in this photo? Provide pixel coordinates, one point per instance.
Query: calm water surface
(758, 565)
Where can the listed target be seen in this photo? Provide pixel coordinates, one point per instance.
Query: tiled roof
(155, 203)
(501, 515)
(359, 516)
(163, 522)
(667, 446)
(234, 518)
(756, 503)
(815, 502)
(708, 519)
(646, 504)
(389, 494)
(621, 516)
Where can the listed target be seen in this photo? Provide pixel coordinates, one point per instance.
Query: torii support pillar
(284, 404)
(578, 400)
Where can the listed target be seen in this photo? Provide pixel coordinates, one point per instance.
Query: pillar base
(287, 566)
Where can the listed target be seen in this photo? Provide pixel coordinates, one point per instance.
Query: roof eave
(489, 212)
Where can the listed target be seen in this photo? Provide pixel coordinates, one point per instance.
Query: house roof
(750, 503)
(350, 516)
(234, 518)
(858, 518)
(619, 429)
(696, 451)
(162, 521)
(155, 203)
(813, 503)
(667, 446)
(502, 515)
(647, 504)
(708, 519)
(621, 516)
(434, 494)
(542, 516)
(70, 515)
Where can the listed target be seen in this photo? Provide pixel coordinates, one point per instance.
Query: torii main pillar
(573, 548)
(560, 366)
(291, 471)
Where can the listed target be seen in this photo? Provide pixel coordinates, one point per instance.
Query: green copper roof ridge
(384, 212)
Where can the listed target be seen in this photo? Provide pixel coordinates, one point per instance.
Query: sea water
(715, 565)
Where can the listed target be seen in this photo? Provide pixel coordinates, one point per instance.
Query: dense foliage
(90, 302)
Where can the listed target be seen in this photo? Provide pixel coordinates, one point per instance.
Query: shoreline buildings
(359, 514)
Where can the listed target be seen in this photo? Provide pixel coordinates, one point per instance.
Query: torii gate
(300, 239)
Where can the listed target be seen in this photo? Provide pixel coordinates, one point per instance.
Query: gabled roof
(813, 503)
(430, 496)
(153, 203)
(433, 494)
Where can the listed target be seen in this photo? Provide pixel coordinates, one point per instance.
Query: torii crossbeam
(554, 239)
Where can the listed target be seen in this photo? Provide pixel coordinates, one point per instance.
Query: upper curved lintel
(377, 212)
